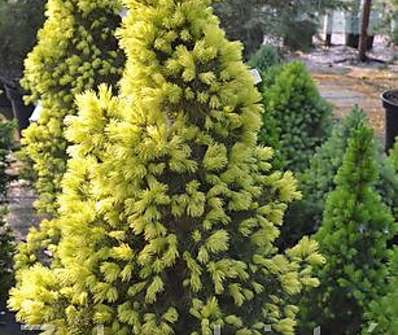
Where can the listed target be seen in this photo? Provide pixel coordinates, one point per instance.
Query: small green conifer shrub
(297, 114)
(354, 237)
(266, 57)
(305, 216)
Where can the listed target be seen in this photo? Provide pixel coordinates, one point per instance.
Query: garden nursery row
(179, 195)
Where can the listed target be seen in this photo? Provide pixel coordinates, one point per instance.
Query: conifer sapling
(305, 216)
(296, 112)
(354, 238)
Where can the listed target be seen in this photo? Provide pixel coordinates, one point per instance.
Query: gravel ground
(21, 218)
(345, 83)
(21, 213)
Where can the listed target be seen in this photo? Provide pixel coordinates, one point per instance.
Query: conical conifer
(170, 210)
(354, 238)
(76, 51)
(295, 114)
(305, 216)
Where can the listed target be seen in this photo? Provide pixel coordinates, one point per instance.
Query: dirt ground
(345, 83)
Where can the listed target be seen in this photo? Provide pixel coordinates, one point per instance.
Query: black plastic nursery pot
(390, 104)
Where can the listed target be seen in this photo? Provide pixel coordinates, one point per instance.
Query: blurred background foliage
(294, 22)
(19, 22)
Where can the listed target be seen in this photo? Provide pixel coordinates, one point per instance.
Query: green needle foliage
(7, 248)
(354, 237)
(383, 312)
(305, 216)
(76, 51)
(265, 58)
(393, 155)
(6, 236)
(170, 210)
(7, 134)
(296, 114)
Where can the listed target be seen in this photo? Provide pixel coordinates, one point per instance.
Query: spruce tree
(354, 238)
(76, 51)
(305, 216)
(265, 58)
(296, 112)
(170, 211)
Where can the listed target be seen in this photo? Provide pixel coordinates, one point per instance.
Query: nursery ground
(346, 83)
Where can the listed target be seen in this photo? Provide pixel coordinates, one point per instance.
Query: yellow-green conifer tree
(76, 51)
(170, 211)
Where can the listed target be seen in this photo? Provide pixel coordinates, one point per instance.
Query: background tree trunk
(20, 110)
(363, 40)
(329, 28)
